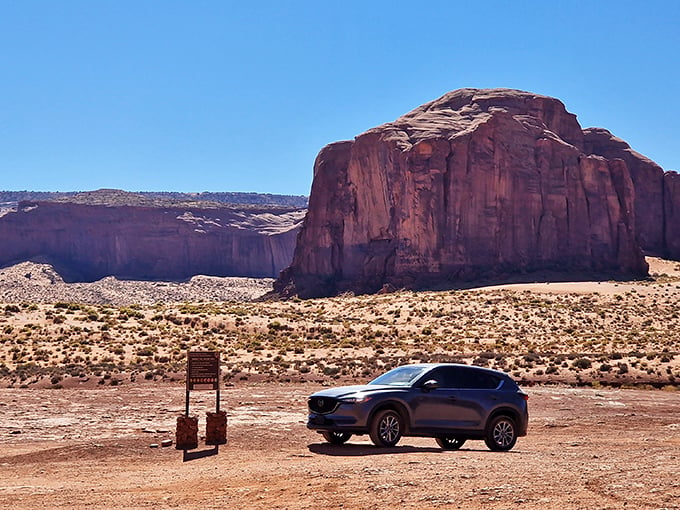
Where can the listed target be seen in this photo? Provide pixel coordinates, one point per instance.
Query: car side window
(480, 380)
(463, 378)
(449, 377)
(469, 379)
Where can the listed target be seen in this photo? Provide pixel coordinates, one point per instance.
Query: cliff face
(671, 187)
(657, 198)
(478, 183)
(647, 178)
(87, 242)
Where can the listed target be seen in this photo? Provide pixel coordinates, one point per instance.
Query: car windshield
(401, 376)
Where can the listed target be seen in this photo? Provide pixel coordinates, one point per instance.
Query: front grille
(322, 405)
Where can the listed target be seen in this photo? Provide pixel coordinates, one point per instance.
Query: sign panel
(203, 370)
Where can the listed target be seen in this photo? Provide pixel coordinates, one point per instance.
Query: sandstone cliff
(478, 183)
(671, 201)
(87, 242)
(656, 194)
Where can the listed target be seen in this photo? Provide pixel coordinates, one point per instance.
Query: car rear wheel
(501, 434)
(386, 428)
(450, 442)
(335, 437)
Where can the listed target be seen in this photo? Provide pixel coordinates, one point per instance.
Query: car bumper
(337, 422)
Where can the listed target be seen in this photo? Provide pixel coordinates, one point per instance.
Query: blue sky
(219, 95)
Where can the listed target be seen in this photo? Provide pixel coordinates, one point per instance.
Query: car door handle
(453, 398)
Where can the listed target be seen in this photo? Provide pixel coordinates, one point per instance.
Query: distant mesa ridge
(157, 198)
(480, 183)
(151, 236)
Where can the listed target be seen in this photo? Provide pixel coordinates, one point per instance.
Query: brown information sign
(203, 370)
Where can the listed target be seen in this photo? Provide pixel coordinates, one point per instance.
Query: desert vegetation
(619, 334)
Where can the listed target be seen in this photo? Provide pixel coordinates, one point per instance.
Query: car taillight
(524, 396)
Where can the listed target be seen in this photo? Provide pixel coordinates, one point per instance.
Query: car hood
(344, 391)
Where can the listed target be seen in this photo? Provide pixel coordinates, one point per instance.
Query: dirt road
(586, 448)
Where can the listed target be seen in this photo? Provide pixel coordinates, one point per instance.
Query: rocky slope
(479, 183)
(28, 282)
(87, 241)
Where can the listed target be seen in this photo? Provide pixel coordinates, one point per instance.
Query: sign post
(203, 373)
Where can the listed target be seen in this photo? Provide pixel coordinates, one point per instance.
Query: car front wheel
(386, 428)
(450, 442)
(501, 435)
(335, 437)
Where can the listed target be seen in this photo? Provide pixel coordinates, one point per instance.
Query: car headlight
(357, 398)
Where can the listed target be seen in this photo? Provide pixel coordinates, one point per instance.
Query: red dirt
(586, 448)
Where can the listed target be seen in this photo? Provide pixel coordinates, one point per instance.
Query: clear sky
(221, 95)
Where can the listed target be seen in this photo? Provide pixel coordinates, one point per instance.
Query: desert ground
(586, 448)
(91, 381)
(621, 334)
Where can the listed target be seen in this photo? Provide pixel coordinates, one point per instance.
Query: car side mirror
(430, 385)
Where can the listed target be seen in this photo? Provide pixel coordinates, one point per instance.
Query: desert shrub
(331, 370)
(582, 363)
(130, 312)
(532, 357)
(276, 325)
(480, 361)
(145, 351)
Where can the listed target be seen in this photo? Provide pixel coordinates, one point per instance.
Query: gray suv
(449, 402)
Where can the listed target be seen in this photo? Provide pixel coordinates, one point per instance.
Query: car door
(452, 405)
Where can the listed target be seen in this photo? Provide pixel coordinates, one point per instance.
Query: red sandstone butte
(480, 184)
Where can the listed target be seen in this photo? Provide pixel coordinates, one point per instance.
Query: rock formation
(671, 201)
(479, 183)
(86, 242)
(657, 201)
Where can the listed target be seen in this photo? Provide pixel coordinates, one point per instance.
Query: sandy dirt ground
(586, 448)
